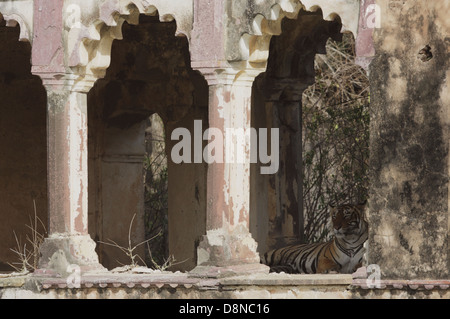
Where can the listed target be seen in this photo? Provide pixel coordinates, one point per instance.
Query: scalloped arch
(15, 19)
(90, 41)
(347, 10)
(267, 21)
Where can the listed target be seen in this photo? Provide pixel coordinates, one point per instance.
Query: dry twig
(129, 251)
(29, 258)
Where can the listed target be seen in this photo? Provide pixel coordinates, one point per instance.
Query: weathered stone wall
(23, 155)
(409, 199)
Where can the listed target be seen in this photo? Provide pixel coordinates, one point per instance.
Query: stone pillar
(228, 243)
(68, 241)
(284, 104)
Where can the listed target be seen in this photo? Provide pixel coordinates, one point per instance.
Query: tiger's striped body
(341, 254)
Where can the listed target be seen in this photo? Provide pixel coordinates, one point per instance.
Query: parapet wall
(183, 286)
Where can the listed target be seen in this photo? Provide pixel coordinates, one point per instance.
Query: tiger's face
(348, 221)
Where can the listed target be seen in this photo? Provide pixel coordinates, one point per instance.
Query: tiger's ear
(332, 209)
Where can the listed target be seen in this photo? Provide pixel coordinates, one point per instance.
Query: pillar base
(221, 251)
(59, 254)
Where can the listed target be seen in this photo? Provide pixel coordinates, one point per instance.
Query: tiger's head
(348, 221)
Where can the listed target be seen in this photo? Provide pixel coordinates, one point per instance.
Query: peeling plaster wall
(23, 155)
(409, 200)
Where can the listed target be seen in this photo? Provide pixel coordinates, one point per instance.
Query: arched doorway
(291, 206)
(149, 74)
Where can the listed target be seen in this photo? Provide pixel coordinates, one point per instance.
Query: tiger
(342, 254)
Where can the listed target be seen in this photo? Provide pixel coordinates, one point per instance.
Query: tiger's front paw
(331, 272)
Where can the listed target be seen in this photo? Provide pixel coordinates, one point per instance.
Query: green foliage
(335, 137)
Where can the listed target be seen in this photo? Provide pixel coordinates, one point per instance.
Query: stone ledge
(185, 280)
(228, 271)
(12, 280)
(281, 279)
(127, 280)
(360, 280)
(403, 284)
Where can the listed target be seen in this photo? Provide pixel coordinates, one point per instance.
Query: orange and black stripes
(341, 254)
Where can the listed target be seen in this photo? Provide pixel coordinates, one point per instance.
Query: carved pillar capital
(61, 81)
(225, 73)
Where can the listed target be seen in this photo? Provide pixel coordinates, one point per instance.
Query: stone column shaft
(228, 241)
(67, 162)
(68, 241)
